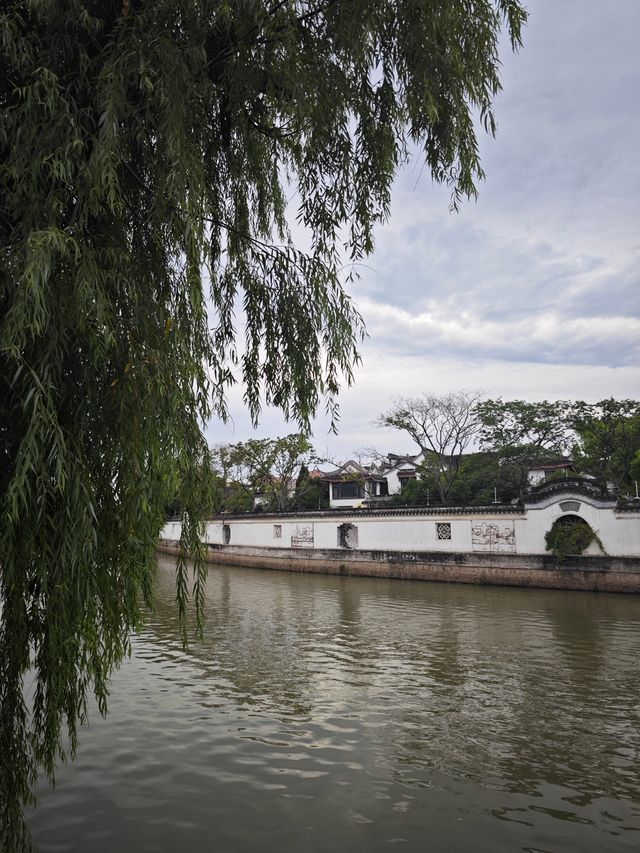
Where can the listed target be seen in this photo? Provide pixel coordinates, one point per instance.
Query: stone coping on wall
(628, 506)
(367, 512)
(590, 490)
(565, 484)
(570, 495)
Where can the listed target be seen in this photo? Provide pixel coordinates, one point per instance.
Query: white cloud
(533, 292)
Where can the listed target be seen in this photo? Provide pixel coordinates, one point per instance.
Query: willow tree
(147, 152)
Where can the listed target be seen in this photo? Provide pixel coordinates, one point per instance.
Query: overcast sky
(531, 292)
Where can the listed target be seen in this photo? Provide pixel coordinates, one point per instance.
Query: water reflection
(355, 714)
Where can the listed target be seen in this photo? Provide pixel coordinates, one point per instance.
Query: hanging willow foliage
(146, 153)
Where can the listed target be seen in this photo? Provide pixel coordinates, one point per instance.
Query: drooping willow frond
(146, 149)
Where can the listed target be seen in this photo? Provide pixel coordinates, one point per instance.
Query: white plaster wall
(620, 534)
(257, 533)
(326, 533)
(214, 532)
(171, 530)
(392, 533)
(625, 536)
(417, 533)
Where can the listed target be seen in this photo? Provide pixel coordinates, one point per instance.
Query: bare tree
(442, 427)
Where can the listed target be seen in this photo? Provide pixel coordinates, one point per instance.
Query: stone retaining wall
(593, 573)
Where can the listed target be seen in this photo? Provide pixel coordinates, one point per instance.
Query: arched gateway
(569, 534)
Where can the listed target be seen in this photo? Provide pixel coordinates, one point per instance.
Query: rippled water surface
(344, 714)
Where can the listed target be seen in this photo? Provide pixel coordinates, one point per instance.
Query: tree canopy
(523, 433)
(509, 425)
(602, 437)
(262, 471)
(442, 426)
(147, 152)
(514, 436)
(608, 440)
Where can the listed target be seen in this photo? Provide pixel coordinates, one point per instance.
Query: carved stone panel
(302, 536)
(494, 537)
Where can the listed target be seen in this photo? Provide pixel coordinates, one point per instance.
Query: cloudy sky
(531, 292)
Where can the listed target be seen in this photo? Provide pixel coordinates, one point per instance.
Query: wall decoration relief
(493, 537)
(302, 536)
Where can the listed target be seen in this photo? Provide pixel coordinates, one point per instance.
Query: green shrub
(570, 535)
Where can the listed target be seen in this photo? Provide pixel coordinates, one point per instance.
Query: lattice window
(443, 530)
(348, 536)
(277, 531)
(226, 534)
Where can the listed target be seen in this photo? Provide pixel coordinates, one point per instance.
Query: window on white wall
(348, 536)
(277, 531)
(443, 530)
(226, 534)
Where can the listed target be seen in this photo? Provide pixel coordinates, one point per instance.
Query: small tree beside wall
(570, 535)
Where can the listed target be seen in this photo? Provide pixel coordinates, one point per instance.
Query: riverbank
(501, 544)
(589, 573)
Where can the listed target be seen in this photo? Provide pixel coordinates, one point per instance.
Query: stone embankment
(500, 544)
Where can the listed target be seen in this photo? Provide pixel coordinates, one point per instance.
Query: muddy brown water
(355, 714)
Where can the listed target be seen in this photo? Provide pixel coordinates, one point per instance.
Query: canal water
(351, 714)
